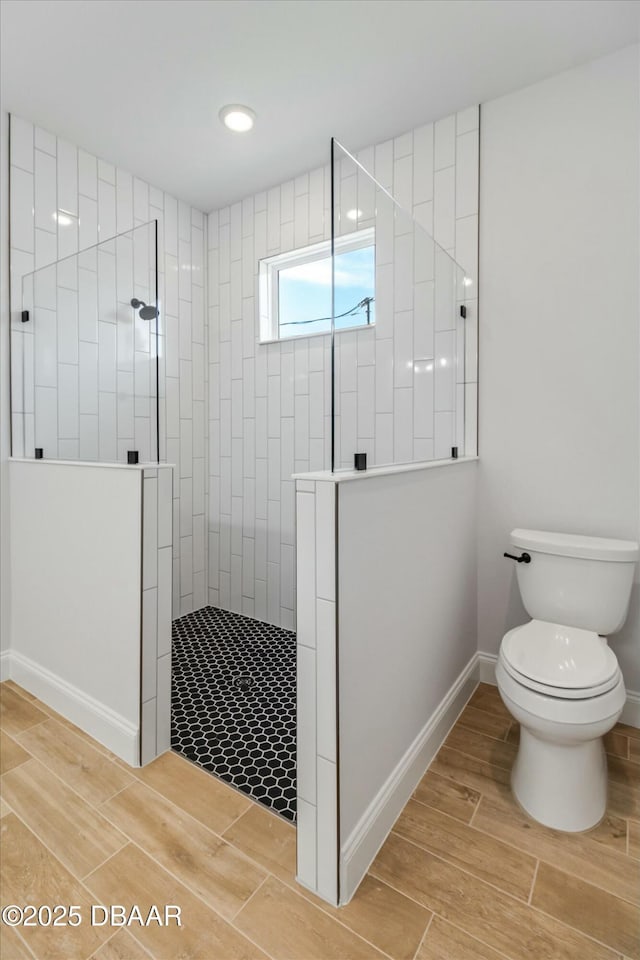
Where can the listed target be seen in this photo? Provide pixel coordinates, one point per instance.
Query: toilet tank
(579, 581)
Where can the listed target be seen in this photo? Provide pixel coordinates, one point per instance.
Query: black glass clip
(359, 461)
(454, 453)
(132, 456)
(39, 452)
(25, 316)
(463, 311)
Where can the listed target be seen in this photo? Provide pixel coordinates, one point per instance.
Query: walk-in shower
(333, 329)
(338, 331)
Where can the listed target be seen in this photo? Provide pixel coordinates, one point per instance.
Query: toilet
(557, 675)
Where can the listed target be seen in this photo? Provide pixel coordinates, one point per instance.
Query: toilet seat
(559, 661)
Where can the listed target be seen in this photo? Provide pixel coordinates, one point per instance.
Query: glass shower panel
(398, 381)
(88, 350)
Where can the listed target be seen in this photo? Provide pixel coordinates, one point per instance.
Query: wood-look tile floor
(465, 874)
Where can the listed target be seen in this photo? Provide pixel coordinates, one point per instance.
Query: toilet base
(561, 786)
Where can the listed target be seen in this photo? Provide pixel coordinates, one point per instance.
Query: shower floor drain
(243, 683)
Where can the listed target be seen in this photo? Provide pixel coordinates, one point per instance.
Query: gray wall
(407, 616)
(559, 258)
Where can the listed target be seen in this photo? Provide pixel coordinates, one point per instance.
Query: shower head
(146, 312)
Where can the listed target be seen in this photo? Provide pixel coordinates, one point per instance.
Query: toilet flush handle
(525, 558)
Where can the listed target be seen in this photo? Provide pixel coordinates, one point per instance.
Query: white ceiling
(140, 82)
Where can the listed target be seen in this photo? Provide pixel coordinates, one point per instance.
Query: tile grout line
(475, 810)
(268, 873)
(473, 936)
(533, 881)
(423, 937)
(504, 893)
(310, 897)
(15, 736)
(535, 910)
(57, 718)
(424, 907)
(472, 757)
(235, 821)
(238, 850)
(100, 755)
(430, 806)
(588, 936)
(512, 845)
(177, 879)
(111, 797)
(467, 725)
(627, 838)
(443, 857)
(24, 943)
(217, 836)
(94, 809)
(232, 920)
(137, 779)
(92, 956)
(74, 877)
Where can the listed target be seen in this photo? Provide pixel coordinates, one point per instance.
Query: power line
(363, 303)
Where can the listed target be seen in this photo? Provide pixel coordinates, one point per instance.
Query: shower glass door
(85, 352)
(399, 374)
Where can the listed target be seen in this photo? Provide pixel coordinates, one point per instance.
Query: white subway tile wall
(86, 380)
(156, 612)
(404, 393)
(317, 780)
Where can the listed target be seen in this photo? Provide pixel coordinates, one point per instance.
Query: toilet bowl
(560, 775)
(559, 678)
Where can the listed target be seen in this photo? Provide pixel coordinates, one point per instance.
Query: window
(295, 288)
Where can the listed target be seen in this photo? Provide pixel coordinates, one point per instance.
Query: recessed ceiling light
(237, 117)
(354, 214)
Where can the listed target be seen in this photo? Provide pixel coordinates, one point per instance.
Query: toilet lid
(560, 657)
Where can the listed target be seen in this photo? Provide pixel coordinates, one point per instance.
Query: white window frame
(268, 283)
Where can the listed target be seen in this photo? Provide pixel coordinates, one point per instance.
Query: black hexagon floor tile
(233, 703)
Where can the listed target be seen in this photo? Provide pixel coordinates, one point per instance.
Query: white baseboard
(487, 667)
(630, 711)
(371, 831)
(4, 666)
(103, 724)
(361, 847)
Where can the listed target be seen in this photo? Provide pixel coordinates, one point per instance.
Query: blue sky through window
(305, 292)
